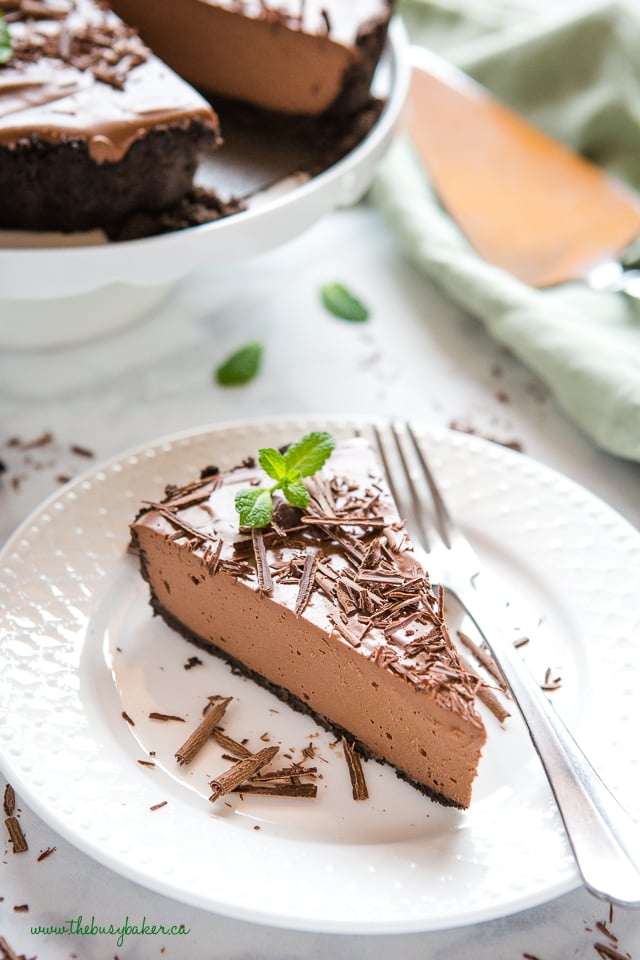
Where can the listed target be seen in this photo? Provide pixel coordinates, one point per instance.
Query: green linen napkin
(574, 70)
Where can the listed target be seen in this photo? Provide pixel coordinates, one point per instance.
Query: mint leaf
(343, 304)
(296, 493)
(5, 41)
(301, 459)
(255, 507)
(308, 455)
(273, 463)
(241, 366)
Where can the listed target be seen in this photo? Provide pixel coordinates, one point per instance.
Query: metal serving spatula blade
(525, 202)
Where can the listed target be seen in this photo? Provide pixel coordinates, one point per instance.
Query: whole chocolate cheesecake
(96, 131)
(328, 607)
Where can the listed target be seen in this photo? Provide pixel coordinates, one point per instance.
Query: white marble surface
(418, 355)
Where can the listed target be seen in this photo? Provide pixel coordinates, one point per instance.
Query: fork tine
(407, 496)
(446, 525)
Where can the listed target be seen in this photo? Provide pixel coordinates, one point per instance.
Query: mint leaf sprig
(301, 459)
(6, 48)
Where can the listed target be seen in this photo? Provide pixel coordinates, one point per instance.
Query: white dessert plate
(44, 266)
(79, 647)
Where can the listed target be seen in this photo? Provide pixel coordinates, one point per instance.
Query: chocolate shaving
(6, 953)
(16, 836)
(21, 908)
(212, 717)
(126, 717)
(182, 525)
(237, 750)
(356, 773)
(265, 583)
(609, 953)
(440, 602)
(487, 696)
(9, 800)
(45, 853)
(81, 451)
(165, 716)
(551, 682)
(240, 772)
(146, 763)
(344, 521)
(212, 557)
(285, 773)
(307, 581)
(157, 806)
(343, 631)
(605, 930)
(483, 658)
(265, 789)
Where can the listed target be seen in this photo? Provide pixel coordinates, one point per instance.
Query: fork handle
(604, 839)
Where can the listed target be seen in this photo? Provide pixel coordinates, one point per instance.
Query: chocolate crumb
(21, 908)
(157, 806)
(193, 662)
(126, 717)
(40, 441)
(81, 451)
(146, 763)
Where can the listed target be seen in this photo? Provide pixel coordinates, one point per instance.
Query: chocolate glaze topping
(77, 72)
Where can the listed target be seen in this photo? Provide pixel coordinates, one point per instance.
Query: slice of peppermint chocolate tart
(327, 606)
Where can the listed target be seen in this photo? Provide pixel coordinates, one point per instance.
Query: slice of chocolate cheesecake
(93, 127)
(301, 57)
(327, 606)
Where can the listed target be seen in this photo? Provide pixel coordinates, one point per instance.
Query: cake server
(527, 203)
(604, 839)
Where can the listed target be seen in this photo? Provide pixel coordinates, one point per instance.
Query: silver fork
(604, 839)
